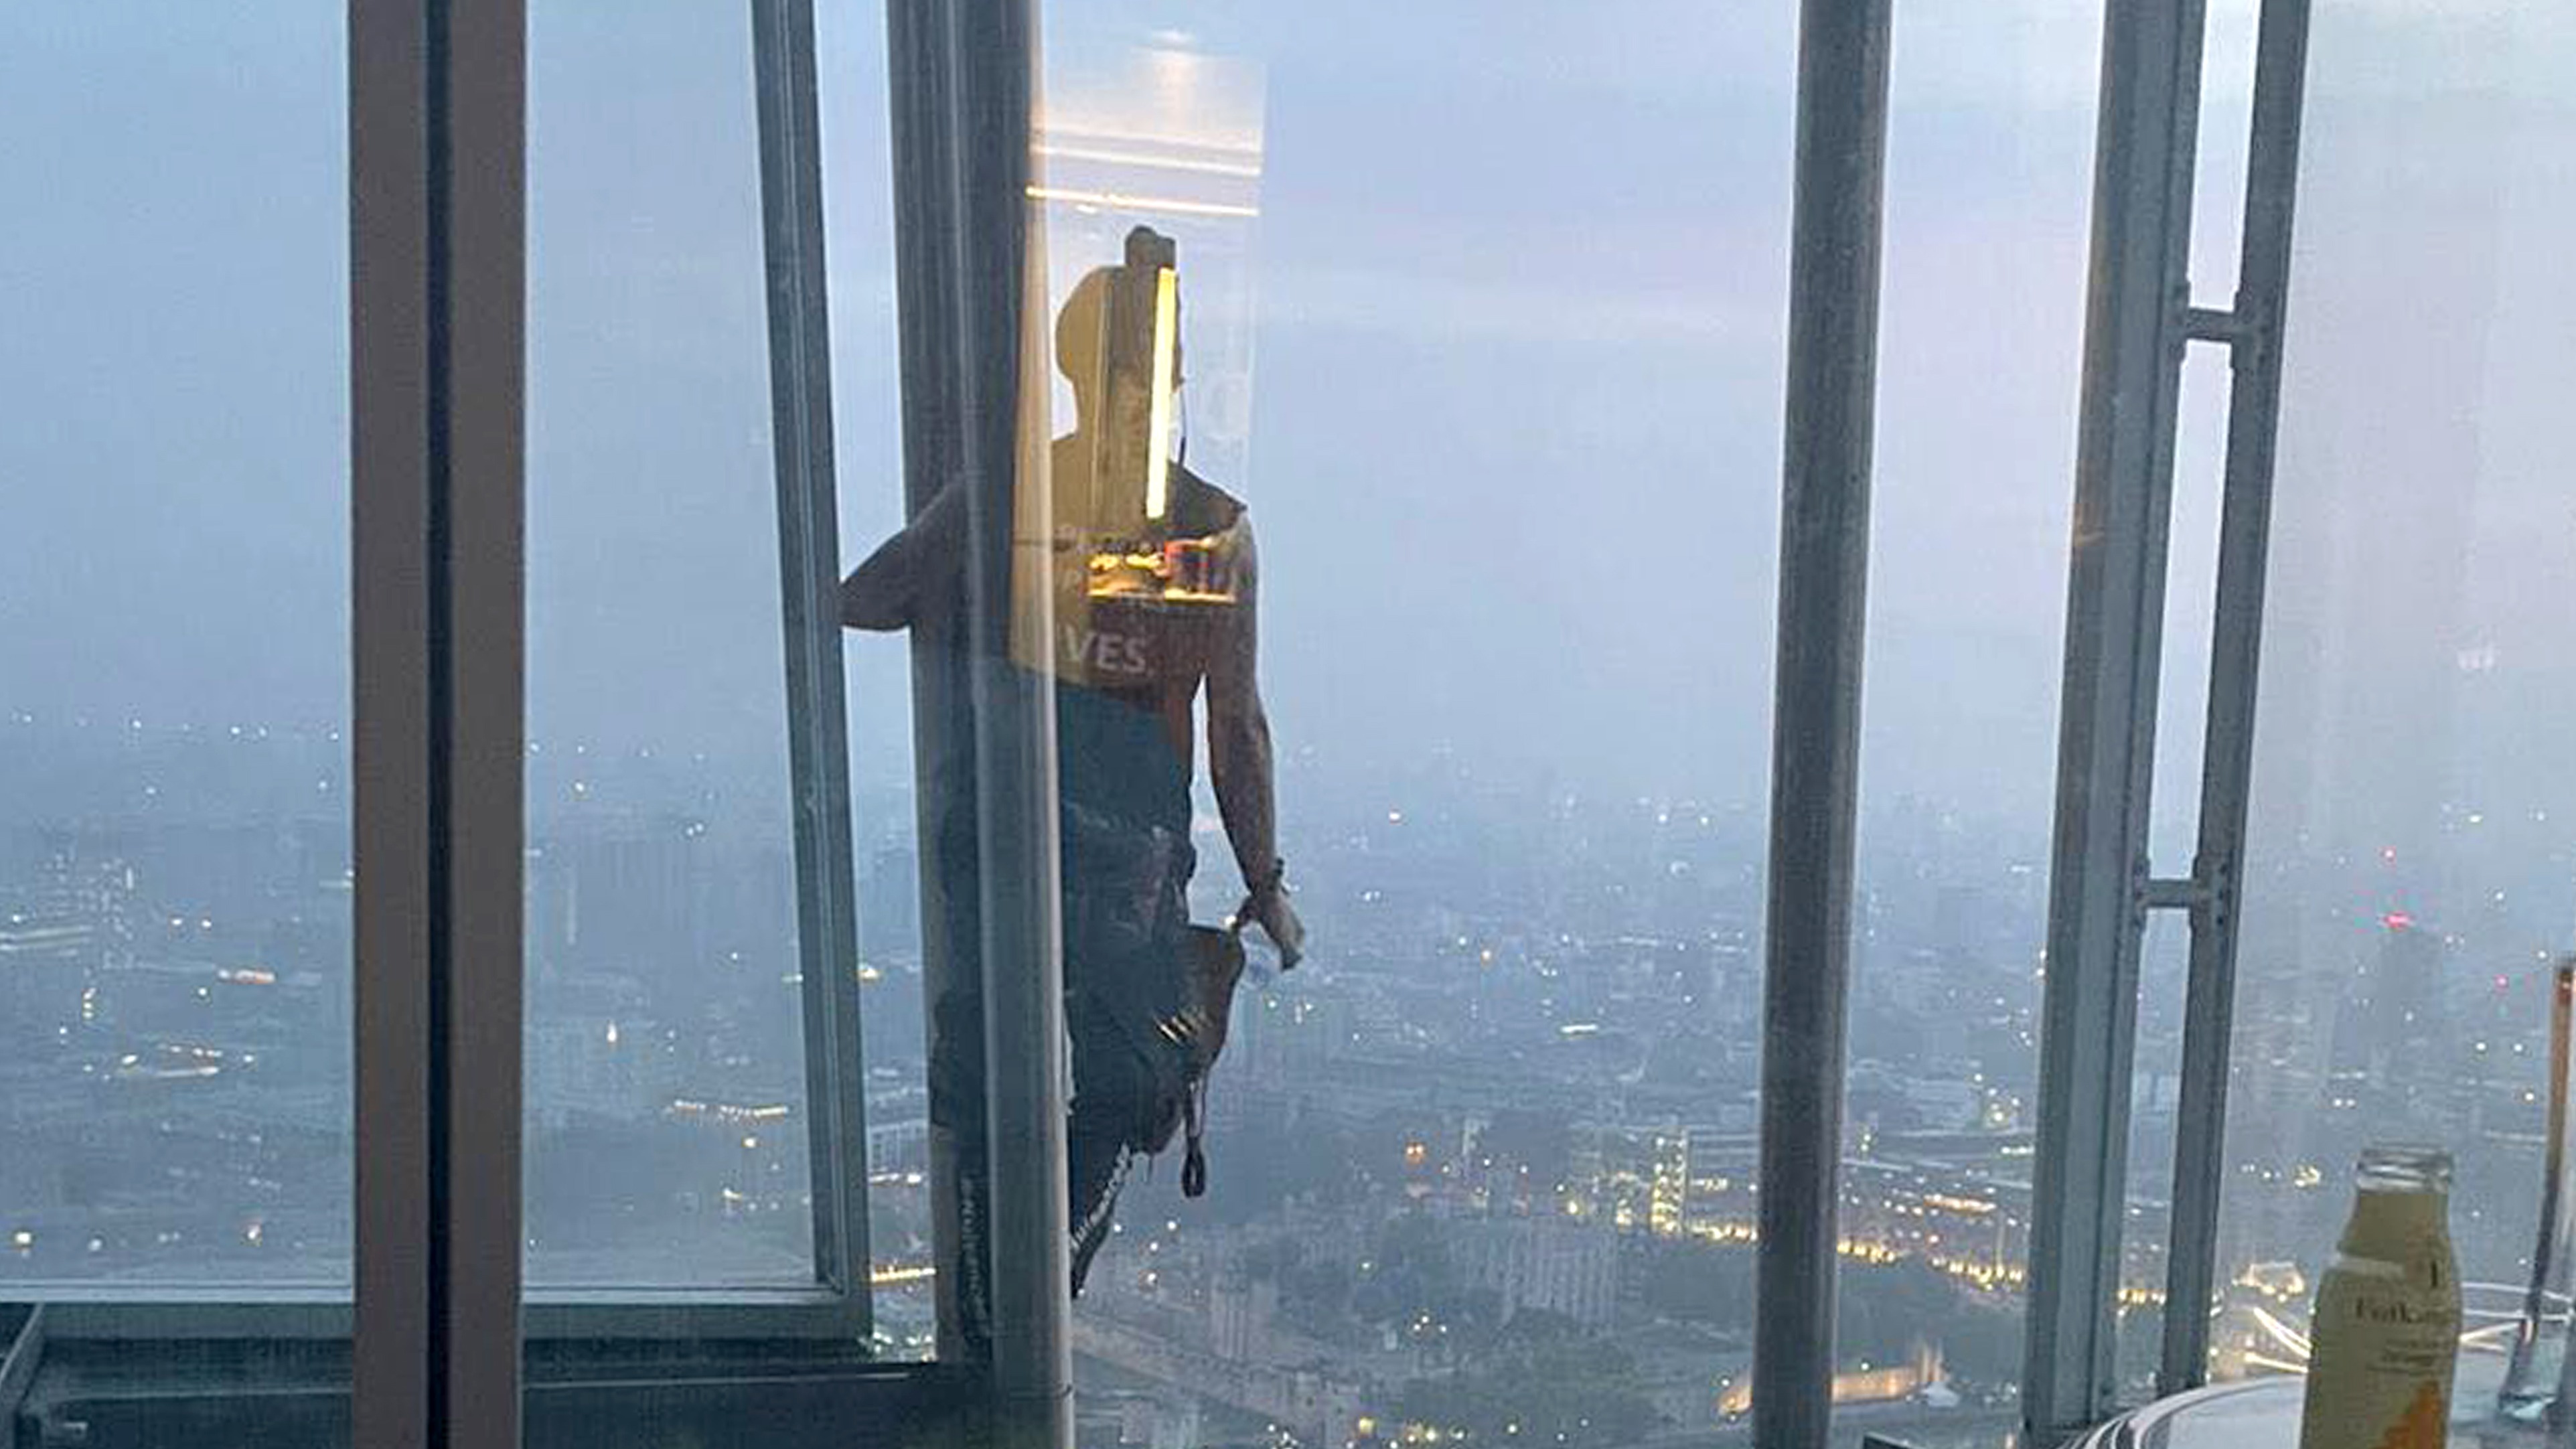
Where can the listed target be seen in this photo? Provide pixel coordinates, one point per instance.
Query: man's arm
(885, 592)
(1239, 757)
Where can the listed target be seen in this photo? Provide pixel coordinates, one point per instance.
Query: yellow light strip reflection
(1158, 427)
(1119, 201)
(1207, 140)
(1158, 163)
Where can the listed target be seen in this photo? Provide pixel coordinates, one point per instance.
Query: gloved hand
(1267, 907)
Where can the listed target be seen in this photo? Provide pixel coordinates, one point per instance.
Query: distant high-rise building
(59, 930)
(621, 898)
(2392, 1031)
(1544, 1264)
(890, 902)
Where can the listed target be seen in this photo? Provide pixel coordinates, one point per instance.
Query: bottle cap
(2405, 1167)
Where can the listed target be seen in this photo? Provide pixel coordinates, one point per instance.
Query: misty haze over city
(1496, 360)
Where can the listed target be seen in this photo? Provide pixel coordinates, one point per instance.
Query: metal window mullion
(993, 50)
(800, 390)
(962, 87)
(483, 651)
(922, 108)
(1824, 566)
(389, 735)
(2134, 329)
(2253, 427)
(437, 252)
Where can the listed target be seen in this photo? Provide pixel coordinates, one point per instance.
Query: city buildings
(527, 910)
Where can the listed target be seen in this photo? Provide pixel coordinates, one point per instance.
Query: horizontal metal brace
(2176, 895)
(2215, 324)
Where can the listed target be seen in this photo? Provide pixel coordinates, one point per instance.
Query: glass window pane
(1486, 341)
(667, 1113)
(175, 891)
(1989, 190)
(868, 454)
(174, 625)
(2411, 848)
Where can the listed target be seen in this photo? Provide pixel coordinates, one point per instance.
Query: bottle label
(2379, 1374)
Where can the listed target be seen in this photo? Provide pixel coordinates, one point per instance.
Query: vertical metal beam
(922, 97)
(962, 92)
(479, 647)
(1815, 753)
(2245, 530)
(437, 251)
(800, 400)
(2135, 320)
(19, 1356)
(994, 49)
(389, 220)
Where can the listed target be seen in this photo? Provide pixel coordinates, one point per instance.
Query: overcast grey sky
(1515, 323)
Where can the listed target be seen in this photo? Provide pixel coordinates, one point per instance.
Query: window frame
(393, 68)
(2140, 317)
(431, 296)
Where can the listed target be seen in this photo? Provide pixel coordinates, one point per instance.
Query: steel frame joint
(2216, 324)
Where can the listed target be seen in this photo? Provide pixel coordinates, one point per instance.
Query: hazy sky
(1515, 327)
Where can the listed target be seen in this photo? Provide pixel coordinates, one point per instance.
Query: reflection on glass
(1482, 1165)
(2534, 1384)
(2408, 887)
(1147, 588)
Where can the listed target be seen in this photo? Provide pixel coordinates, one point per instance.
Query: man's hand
(1268, 908)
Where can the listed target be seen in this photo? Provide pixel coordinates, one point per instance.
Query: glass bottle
(2385, 1337)
(2532, 1389)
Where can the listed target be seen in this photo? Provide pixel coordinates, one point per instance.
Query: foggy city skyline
(1622, 354)
(1491, 340)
